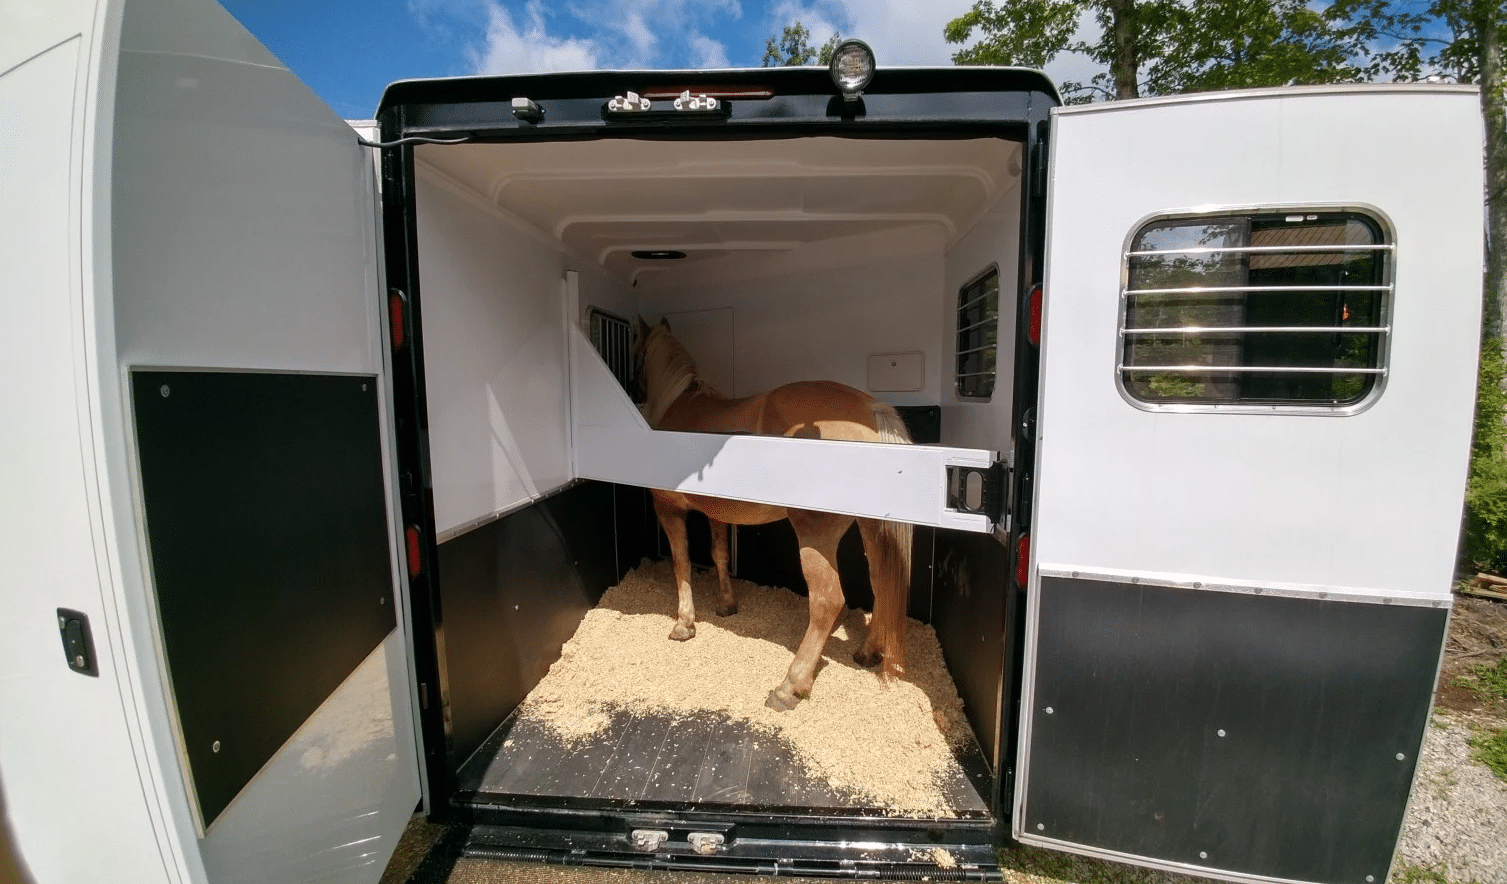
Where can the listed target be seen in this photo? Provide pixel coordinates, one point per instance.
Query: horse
(677, 399)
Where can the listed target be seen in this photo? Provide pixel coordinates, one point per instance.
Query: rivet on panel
(165, 391)
(215, 747)
(1203, 854)
(1040, 827)
(1401, 757)
(1049, 710)
(1221, 732)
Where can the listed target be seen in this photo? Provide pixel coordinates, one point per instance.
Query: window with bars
(978, 335)
(612, 337)
(1259, 309)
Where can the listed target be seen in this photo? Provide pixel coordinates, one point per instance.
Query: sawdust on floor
(888, 741)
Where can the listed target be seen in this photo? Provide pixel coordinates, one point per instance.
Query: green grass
(1435, 874)
(1488, 681)
(1490, 749)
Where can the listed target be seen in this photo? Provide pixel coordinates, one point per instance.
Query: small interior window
(978, 335)
(1256, 309)
(612, 337)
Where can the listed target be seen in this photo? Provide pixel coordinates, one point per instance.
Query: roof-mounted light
(852, 67)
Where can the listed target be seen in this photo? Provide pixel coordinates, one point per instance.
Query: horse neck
(669, 373)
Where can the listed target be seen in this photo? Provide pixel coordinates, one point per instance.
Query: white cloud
(707, 53)
(510, 48)
(588, 34)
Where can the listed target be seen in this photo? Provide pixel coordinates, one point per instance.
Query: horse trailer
(321, 447)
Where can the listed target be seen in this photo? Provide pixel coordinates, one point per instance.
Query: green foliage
(1486, 490)
(1488, 681)
(1029, 32)
(1491, 750)
(1234, 44)
(1437, 873)
(793, 47)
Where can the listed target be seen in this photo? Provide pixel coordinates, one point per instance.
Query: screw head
(1203, 854)
(1221, 732)
(1401, 757)
(165, 391)
(1041, 827)
(1049, 710)
(215, 747)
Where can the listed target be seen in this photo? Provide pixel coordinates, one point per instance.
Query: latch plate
(979, 491)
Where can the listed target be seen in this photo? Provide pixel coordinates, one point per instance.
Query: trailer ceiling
(719, 200)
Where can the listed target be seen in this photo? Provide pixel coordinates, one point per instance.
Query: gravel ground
(1457, 818)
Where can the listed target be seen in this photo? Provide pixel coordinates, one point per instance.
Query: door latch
(78, 641)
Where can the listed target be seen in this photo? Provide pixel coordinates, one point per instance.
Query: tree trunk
(1127, 62)
(1494, 111)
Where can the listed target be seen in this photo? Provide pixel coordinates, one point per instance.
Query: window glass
(1273, 308)
(978, 335)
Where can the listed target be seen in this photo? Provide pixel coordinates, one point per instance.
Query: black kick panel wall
(1256, 734)
(267, 521)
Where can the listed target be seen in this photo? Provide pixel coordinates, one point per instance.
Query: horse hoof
(866, 659)
(727, 610)
(780, 701)
(682, 633)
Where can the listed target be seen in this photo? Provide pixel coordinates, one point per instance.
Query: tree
(793, 47)
(1175, 46)
(1458, 40)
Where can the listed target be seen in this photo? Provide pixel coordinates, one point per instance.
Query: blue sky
(348, 50)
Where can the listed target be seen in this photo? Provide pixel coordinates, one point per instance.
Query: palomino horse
(679, 400)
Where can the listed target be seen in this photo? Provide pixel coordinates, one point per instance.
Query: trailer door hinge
(979, 491)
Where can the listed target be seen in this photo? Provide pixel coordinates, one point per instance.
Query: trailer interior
(877, 249)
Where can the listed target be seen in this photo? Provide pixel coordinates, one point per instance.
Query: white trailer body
(314, 446)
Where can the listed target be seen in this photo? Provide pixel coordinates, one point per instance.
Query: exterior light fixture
(852, 67)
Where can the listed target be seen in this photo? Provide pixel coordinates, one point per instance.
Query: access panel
(267, 523)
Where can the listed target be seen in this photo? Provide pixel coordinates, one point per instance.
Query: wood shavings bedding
(889, 742)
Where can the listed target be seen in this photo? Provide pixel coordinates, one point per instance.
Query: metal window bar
(1257, 329)
(1258, 289)
(1248, 369)
(613, 339)
(1211, 250)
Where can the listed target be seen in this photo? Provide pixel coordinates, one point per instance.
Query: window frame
(957, 331)
(1386, 246)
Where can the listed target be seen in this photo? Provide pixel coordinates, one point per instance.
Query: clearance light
(1023, 560)
(852, 68)
(1033, 327)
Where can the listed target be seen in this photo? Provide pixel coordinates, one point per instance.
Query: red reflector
(1033, 328)
(395, 319)
(1022, 560)
(415, 561)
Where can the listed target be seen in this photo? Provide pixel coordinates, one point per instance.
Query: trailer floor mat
(628, 715)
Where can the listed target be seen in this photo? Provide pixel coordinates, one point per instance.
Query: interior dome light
(658, 254)
(852, 67)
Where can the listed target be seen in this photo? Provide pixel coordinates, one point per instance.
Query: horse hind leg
(887, 546)
(672, 516)
(727, 601)
(819, 535)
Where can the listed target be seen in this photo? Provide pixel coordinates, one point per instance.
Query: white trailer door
(210, 358)
(1258, 364)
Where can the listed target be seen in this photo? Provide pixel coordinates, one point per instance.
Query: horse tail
(888, 547)
(888, 425)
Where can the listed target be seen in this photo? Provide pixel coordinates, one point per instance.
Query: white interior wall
(494, 362)
(995, 240)
(821, 309)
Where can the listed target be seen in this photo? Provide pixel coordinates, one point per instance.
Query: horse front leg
(671, 510)
(819, 534)
(727, 601)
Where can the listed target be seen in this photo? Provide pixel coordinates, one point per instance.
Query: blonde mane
(669, 373)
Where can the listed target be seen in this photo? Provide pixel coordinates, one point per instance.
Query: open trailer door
(218, 350)
(1259, 353)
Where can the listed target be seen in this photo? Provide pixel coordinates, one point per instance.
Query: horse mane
(669, 373)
